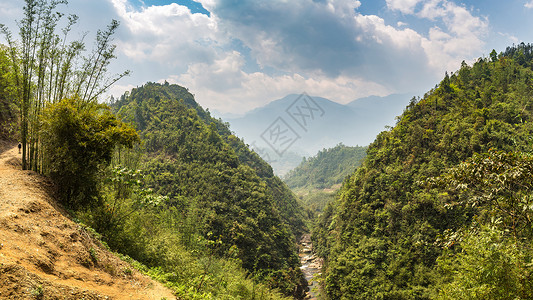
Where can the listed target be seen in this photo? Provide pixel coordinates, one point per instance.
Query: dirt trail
(44, 255)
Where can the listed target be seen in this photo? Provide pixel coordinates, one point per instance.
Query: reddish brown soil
(45, 255)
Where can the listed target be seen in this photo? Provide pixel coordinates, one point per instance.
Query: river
(311, 266)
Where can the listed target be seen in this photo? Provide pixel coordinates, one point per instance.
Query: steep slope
(44, 255)
(316, 180)
(327, 168)
(230, 195)
(381, 237)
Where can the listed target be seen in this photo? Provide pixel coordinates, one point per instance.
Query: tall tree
(45, 62)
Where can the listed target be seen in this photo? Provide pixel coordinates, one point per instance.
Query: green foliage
(38, 292)
(218, 191)
(93, 254)
(212, 230)
(317, 178)
(380, 237)
(492, 259)
(223, 279)
(498, 184)
(314, 202)
(488, 266)
(43, 64)
(329, 167)
(8, 105)
(80, 139)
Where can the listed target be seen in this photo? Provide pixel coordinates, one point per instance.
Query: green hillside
(180, 198)
(391, 234)
(327, 168)
(317, 178)
(218, 187)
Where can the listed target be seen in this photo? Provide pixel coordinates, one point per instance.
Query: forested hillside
(317, 179)
(425, 216)
(327, 168)
(189, 203)
(216, 187)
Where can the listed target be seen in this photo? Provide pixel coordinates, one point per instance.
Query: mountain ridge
(327, 124)
(226, 193)
(407, 224)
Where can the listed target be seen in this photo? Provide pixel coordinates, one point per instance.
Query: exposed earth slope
(45, 255)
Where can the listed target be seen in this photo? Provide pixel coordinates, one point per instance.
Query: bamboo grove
(48, 66)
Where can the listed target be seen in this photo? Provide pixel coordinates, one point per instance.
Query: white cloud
(222, 75)
(401, 24)
(529, 4)
(404, 6)
(168, 34)
(343, 8)
(375, 27)
(460, 36)
(432, 9)
(223, 85)
(246, 53)
(464, 36)
(325, 48)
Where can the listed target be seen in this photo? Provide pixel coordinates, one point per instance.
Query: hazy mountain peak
(313, 123)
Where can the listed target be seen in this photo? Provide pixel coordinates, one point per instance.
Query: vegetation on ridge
(390, 236)
(327, 168)
(223, 192)
(317, 178)
(198, 209)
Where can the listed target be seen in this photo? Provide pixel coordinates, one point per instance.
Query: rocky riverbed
(311, 266)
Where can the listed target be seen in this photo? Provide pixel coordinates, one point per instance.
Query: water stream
(311, 266)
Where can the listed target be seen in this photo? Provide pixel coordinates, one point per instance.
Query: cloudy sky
(238, 55)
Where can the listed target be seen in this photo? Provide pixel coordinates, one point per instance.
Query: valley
(152, 195)
(354, 124)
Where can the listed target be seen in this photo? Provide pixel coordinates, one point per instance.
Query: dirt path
(44, 255)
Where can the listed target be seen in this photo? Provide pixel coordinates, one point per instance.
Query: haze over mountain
(295, 126)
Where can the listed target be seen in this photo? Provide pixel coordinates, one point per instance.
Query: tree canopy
(225, 191)
(327, 168)
(380, 238)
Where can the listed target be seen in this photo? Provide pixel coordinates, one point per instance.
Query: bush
(78, 140)
(489, 266)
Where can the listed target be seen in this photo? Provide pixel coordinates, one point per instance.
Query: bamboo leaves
(92, 81)
(50, 66)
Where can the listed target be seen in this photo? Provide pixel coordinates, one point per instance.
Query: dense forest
(326, 169)
(216, 187)
(441, 206)
(164, 184)
(316, 180)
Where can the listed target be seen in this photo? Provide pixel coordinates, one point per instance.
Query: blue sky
(238, 55)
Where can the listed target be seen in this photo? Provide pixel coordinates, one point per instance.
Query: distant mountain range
(296, 126)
